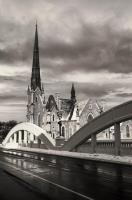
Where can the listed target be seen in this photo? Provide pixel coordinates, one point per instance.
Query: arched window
(63, 131)
(127, 131)
(90, 118)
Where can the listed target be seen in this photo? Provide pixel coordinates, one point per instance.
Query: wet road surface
(13, 189)
(83, 179)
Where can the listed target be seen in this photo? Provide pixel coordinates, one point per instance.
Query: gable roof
(85, 105)
(51, 103)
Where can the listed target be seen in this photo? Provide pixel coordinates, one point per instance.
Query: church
(60, 117)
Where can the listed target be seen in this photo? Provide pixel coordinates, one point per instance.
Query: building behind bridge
(62, 117)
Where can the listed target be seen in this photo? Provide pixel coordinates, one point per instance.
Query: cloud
(94, 48)
(76, 38)
(124, 95)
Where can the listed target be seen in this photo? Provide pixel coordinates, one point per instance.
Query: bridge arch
(112, 117)
(30, 130)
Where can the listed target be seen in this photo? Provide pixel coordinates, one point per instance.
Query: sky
(87, 42)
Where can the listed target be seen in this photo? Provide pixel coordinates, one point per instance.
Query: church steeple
(35, 79)
(73, 95)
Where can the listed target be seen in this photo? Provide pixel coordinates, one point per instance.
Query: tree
(5, 127)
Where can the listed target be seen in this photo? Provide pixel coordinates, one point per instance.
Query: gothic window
(36, 99)
(127, 131)
(63, 131)
(90, 118)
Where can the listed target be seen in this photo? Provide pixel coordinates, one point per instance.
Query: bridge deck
(71, 178)
(12, 188)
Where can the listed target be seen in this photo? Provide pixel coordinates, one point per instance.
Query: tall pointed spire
(73, 95)
(35, 79)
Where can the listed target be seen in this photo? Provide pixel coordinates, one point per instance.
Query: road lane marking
(45, 180)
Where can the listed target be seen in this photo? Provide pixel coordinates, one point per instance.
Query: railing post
(117, 138)
(93, 143)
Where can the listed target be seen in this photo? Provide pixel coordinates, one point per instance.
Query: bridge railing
(112, 117)
(106, 147)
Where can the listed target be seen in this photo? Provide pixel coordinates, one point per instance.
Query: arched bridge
(28, 134)
(112, 117)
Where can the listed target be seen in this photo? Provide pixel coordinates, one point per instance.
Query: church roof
(85, 105)
(66, 105)
(51, 103)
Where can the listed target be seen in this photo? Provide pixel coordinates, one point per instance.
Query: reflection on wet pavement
(97, 180)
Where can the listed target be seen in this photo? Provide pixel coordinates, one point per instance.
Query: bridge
(25, 134)
(29, 154)
(112, 117)
(30, 135)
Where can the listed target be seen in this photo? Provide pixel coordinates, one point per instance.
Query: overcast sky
(88, 42)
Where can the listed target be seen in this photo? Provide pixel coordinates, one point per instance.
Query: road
(75, 179)
(13, 189)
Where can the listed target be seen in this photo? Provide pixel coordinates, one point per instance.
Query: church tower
(35, 91)
(73, 94)
(35, 78)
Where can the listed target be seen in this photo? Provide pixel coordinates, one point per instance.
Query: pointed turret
(35, 79)
(28, 90)
(73, 95)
